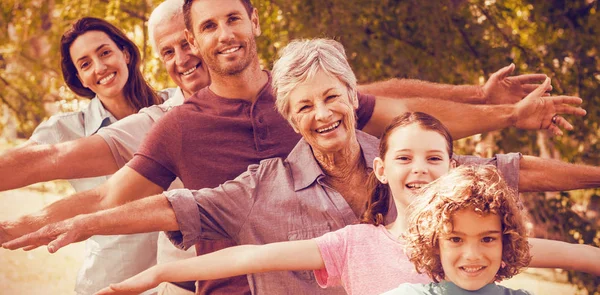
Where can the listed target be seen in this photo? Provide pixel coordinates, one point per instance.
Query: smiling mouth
(190, 70)
(106, 79)
(415, 185)
(329, 128)
(472, 269)
(230, 50)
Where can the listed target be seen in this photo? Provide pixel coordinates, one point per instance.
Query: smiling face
(414, 157)
(184, 67)
(471, 254)
(224, 35)
(320, 110)
(101, 65)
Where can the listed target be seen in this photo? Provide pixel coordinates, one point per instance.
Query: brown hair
(378, 204)
(474, 187)
(187, 12)
(137, 92)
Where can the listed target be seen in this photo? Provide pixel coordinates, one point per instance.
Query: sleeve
(58, 128)
(160, 152)
(332, 246)
(507, 164)
(213, 214)
(125, 136)
(366, 105)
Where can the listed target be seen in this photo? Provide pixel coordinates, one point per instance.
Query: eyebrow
(97, 49)
(489, 232)
(212, 19)
(305, 100)
(429, 151)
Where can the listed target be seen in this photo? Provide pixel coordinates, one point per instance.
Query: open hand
(501, 88)
(536, 111)
(55, 235)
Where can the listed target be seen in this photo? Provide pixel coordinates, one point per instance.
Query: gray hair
(162, 14)
(301, 60)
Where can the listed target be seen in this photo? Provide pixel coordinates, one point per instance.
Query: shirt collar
(95, 117)
(306, 170)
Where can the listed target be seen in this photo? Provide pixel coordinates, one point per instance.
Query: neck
(341, 164)
(118, 107)
(400, 225)
(245, 85)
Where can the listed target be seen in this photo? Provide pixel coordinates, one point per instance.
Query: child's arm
(558, 254)
(234, 261)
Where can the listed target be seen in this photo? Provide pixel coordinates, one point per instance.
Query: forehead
(203, 10)
(315, 87)
(416, 138)
(170, 33)
(469, 222)
(88, 42)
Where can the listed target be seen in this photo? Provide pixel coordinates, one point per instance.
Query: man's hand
(536, 111)
(137, 284)
(501, 88)
(55, 235)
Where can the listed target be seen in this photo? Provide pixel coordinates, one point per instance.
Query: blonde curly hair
(480, 188)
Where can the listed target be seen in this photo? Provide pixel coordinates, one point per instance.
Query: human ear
(126, 54)
(255, 23)
(379, 171)
(189, 37)
(453, 164)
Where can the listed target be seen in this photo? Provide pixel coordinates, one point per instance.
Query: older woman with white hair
(318, 188)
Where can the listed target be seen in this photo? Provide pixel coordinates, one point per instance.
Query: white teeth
(472, 269)
(191, 70)
(105, 79)
(415, 185)
(335, 125)
(230, 50)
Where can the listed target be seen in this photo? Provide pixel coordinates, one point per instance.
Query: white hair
(301, 60)
(162, 14)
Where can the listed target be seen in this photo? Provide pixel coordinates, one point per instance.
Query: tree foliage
(449, 41)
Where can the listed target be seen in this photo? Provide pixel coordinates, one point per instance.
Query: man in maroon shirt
(222, 129)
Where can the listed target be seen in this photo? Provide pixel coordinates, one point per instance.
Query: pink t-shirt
(365, 259)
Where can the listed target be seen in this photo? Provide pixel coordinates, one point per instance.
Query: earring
(383, 180)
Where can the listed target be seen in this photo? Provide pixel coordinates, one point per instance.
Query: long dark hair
(137, 92)
(379, 193)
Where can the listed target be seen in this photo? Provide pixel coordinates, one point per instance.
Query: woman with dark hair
(99, 62)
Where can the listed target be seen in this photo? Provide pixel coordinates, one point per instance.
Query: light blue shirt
(449, 288)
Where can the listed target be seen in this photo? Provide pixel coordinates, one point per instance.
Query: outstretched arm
(32, 163)
(533, 112)
(124, 186)
(233, 261)
(499, 89)
(147, 215)
(545, 175)
(557, 254)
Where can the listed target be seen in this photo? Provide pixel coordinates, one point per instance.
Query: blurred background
(448, 41)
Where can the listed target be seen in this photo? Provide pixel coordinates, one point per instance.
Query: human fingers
(539, 90)
(565, 109)
(61, 241)
(562, 123)
(527, 88)
(504, 72)
(530, 79)
(27, 242)
(555, 130)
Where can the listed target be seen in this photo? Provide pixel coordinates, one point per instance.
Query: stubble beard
(237, 67)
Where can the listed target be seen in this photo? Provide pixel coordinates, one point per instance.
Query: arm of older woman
(233, 261)
(558, 254)
(534, 112)
(500, 88)
(546, 175)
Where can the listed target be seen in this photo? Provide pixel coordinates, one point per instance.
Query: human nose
(322, 112)
(471, 251)
(181, 57)
(100, 67)
(419, 167)
(225, 33)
